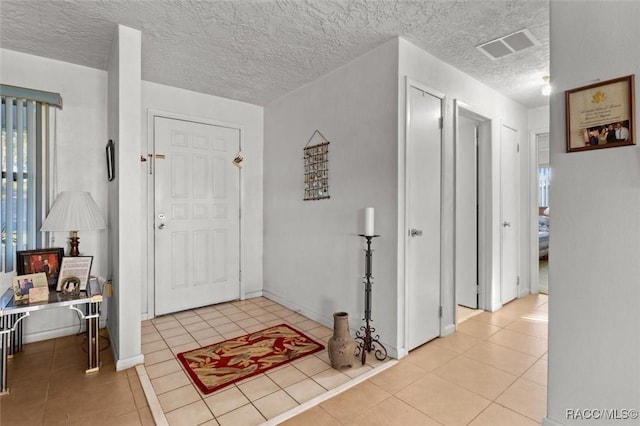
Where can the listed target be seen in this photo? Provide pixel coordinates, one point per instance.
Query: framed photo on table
(30, 288)
(74, 267)
(45, 260)
(601, 115)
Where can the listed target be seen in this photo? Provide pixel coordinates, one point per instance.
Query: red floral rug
(216, 366)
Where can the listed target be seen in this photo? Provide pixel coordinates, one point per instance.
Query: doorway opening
(472, 143)
(543, 187)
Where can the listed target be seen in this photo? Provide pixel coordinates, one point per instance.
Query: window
(25, 128)
(544, 179)
(544, 173)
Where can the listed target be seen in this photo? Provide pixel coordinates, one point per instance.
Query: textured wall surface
(256, 51)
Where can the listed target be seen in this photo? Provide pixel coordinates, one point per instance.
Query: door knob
(415, 232)
(506, 224)
(162, 226)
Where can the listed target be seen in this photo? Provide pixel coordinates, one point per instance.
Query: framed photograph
(24, 285)
(74, 267)
(601, 115)
(41, 260)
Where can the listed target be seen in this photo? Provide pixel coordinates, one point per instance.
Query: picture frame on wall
(46, 260)
(601, 115)
(74, 267)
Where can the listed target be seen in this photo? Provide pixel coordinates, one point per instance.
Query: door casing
(403, 229)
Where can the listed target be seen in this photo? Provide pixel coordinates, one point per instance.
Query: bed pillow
(543, 220)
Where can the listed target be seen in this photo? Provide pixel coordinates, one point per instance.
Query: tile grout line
(329, 394)
(152, 399)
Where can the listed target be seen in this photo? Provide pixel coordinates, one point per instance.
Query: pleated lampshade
(74, 211)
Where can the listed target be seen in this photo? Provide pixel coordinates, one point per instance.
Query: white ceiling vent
(509, 44)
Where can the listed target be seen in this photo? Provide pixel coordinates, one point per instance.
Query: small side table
(11, 316)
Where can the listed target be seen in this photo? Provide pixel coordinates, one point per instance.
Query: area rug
(216, 366)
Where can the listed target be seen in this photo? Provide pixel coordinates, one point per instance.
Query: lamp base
(74, 243)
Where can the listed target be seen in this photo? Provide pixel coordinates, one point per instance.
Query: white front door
(509, 214)
(466, 235)
(423, 217)
(196, 214)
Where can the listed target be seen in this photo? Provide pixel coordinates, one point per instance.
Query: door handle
(415, 232)
(506, 224)
(162, 226)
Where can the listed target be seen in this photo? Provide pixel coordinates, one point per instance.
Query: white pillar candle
(368, 221)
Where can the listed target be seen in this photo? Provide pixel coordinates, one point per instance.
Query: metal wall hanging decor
(316, 169)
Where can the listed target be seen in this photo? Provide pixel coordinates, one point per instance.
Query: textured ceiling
(256, 51)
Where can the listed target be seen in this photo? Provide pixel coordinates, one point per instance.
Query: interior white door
(423, 217)
(509, 214)
(196, 214)
(466, 235)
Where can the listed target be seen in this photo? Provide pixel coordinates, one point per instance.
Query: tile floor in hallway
(492, 371)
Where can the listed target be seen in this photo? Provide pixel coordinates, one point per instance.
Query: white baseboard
(252, 294)
(402, 353)
(392, 352)
(449, 329)
(58, 332)
(123, 364)
(548, 422)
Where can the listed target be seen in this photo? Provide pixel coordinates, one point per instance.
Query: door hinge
(518, 281)
(518, 148)
(440, 312)
(441, 122)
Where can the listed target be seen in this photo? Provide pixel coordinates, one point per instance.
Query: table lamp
(74, 211)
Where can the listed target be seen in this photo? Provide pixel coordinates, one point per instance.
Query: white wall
(157, 98)
(313, 260)
(125, 196)
(594, 320)
(81, 137)
(313, 256)
(431, 72)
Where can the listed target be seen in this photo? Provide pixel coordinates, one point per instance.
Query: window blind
(25, 123)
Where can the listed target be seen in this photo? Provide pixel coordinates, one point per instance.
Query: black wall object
(111, 161)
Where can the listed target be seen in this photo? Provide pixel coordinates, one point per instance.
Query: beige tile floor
(249, 402)
(48, 386)
(492, 371)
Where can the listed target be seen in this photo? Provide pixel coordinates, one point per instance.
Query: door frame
(534, 261)
(148, 211)
(403, 238)
(519, 292)
(483, 185)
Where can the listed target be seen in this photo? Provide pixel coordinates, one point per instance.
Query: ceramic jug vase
(341, 346)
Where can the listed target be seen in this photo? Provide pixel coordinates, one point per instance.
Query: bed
(543, 233)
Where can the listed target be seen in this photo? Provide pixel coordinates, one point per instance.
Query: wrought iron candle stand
(367, 340)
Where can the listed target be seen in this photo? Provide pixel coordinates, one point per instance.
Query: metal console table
(11, 316)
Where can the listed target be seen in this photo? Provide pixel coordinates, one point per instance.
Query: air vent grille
(508, 44)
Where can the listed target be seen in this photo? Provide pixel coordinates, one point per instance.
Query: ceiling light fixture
(546, 89)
